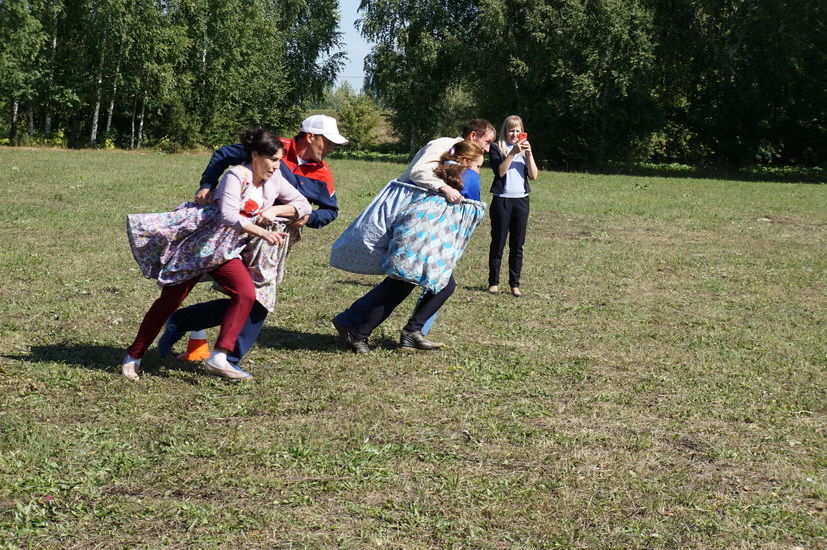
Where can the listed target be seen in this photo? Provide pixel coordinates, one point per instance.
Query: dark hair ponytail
(261, 141)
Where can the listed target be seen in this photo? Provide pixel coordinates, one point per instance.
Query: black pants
(369, 311)
(509, 219)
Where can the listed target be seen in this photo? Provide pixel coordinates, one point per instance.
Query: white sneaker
(225, 369)
(131, 367)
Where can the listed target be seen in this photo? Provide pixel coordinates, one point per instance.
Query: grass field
(661, 385)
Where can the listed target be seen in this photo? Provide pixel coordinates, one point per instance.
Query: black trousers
(509, 219)
(369, 311)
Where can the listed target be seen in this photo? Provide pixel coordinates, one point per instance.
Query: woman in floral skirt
(178, 248)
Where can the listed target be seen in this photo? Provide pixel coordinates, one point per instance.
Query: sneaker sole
(230, 374)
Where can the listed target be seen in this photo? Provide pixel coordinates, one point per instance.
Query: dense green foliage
(359, 117)
(172, 73)
(700, 81)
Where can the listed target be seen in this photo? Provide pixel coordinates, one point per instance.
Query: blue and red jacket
(313, 179)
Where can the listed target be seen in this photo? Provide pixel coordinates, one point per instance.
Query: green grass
(661, 385)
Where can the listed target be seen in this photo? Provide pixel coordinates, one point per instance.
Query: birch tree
(22, 36)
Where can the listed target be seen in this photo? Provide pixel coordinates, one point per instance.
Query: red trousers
(235, 279)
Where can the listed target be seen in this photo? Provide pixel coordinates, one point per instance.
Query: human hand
(266, 217)
(451, 194)
(525, 147)
(203, 196)
(300, 222)
(273, 237)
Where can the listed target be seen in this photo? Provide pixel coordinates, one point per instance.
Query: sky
(355, 47)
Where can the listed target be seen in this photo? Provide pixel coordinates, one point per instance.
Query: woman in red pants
(178, 248)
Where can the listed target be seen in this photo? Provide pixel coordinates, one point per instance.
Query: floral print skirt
(188, 242)
(191, 241)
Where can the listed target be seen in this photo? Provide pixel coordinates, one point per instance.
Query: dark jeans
(509, 219)
(369, 311)
(209, 314)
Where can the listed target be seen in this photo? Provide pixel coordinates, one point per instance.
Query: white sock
(130, 359)
(218, 357)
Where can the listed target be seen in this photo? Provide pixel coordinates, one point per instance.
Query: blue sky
(355, 46)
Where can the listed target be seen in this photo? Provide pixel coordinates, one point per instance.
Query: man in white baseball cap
(323, 125)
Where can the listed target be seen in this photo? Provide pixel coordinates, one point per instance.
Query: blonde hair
(454, 162)
(513, 121)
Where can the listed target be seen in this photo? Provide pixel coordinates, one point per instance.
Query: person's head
(463, 155)
(317, 137)
(480, 131)
(264, 151)
(512, 126)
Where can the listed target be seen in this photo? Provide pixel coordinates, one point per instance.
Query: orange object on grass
(197, 348)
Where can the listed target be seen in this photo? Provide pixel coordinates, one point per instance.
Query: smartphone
(522, 136)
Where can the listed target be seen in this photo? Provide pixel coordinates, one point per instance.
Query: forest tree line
(729, 82)
(179, 73)
(726, 82)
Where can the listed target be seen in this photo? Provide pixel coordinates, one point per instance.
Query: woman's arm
(222, 159)
(285, 200)
(506, 162)
(530, 166)
(495, 159)
(499, 163)
(272, 237)
(421, 169)
(269, 215)
(228, 194)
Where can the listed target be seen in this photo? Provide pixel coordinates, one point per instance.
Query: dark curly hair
(261, 141)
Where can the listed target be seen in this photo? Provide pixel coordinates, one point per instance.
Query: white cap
(323, 125)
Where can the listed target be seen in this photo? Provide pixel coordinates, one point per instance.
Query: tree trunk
(31, 119)
(93, 136)
(13, 129)
(141, 123)
(412, 145)
(47, 115)
(132, 129)
(114, 92)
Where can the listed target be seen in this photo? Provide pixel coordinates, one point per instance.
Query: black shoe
(356, 346)
(168, 339)
(410, 340)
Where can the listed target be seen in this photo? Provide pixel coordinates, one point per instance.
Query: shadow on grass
(478, 288)
(103, 358)
(353, 282)
(283, 338)
(280, 338)
(781, 174)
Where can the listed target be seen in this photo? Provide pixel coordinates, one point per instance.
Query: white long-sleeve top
(420, 171)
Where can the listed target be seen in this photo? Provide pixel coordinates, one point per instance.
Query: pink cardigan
(230, 197)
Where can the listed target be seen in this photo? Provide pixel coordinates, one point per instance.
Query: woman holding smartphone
(513, 165)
